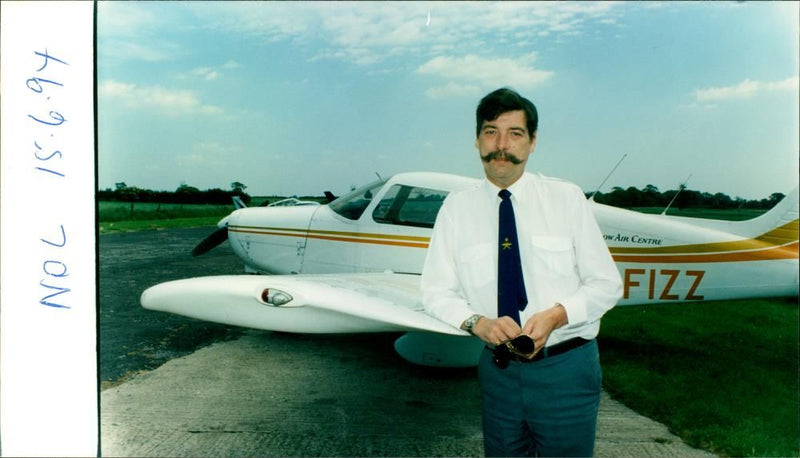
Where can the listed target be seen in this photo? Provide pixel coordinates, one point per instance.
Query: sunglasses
(522, 346)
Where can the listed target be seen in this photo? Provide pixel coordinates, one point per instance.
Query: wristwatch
(470, 323)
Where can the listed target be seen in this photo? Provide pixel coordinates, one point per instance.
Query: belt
(502, 355)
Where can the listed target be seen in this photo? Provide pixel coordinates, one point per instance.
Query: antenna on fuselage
(608, 176)
(379, 176)
(680, 188)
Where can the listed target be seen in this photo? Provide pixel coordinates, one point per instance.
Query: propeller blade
(217, 237)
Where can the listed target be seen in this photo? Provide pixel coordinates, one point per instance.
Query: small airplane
(353, 265)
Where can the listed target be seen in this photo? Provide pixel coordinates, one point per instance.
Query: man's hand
(496, 331)
(541, 324)
(539, 327)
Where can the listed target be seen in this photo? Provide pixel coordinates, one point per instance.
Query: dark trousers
(543, 408)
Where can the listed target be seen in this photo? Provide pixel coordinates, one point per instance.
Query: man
(532, 263)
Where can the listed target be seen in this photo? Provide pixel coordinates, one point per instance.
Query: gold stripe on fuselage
(770, 253)
(762, 248)
(353, 237)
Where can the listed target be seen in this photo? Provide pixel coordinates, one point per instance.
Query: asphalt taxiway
(173, 386)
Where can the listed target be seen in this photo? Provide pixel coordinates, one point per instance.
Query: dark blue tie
(511, 296)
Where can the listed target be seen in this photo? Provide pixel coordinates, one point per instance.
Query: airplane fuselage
(386, 226)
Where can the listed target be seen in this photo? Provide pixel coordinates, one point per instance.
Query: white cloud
(115, 89)
(206, 73)
(746, 89)
(209, 73)
(270, 21)
(478, 72)
(125, 50)
(210, 110)
(126, 30)
(126, 19)
(742, 90)
(789, 84)
(369, 32)
(453, 90)
(231, 65)
(167, 101)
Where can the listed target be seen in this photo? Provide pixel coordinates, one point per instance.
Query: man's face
(504, 146)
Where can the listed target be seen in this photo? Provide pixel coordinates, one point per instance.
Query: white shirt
(564, 257)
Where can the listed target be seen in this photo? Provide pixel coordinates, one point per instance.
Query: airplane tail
(238, 202)
(778, 226)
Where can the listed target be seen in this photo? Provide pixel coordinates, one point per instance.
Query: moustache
(501, 155)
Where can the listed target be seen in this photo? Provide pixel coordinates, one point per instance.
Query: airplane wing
(325, 303)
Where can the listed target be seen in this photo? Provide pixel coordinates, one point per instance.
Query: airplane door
(389, 232)
(328, 248)
(334, 236)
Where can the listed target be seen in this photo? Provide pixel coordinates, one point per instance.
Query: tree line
(185, 194)
(650, 196)
(631, 197)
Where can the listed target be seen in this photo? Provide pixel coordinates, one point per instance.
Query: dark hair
(504, 100)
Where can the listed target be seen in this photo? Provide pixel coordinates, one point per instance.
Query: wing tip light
(275, 297)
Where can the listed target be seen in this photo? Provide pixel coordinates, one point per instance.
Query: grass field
(155, 224)
(122, 216)
(721, 375)
(125, 211)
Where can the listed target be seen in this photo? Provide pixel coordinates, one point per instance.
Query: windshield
(409, 206)
(352, 205)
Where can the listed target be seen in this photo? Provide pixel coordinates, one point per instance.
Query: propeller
(216, 237)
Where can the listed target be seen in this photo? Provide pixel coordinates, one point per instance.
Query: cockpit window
(352, 205)
(409, 206)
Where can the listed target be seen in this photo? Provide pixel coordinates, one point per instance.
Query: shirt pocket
(553, 256)
(476, 264)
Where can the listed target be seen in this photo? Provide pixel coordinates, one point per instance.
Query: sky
(297, 98)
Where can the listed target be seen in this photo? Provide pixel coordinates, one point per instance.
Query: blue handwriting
(55, 270)
(48, 85)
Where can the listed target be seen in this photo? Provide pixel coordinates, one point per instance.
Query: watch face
(471, 322)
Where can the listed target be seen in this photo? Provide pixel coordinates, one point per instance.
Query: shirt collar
(517, 189)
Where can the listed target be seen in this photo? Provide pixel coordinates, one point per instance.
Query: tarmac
(272, 394)
(186, 393)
